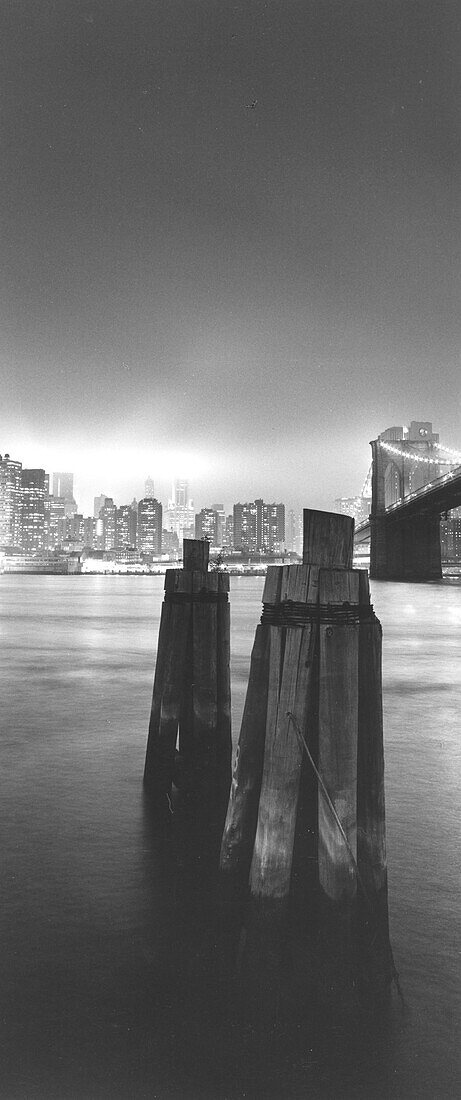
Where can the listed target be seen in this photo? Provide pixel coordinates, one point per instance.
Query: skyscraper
(150, 526)
(179, 516)
(107, 514)
(10, 501)
(259, 527)
(54, 522)
(149, 488)
(98, 504)
(206, 525)
(63, 487)
(127, 521)
(33, 510)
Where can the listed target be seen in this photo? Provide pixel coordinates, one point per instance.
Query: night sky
(230, 240)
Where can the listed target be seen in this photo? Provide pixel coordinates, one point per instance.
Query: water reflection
(112, 984)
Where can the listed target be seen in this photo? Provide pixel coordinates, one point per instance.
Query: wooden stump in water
(337, 766)
(373, 920)
(191, 696)
(304, 834)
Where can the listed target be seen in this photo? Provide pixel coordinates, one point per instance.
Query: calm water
(97, 993)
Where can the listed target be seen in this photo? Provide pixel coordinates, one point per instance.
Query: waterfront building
(294, 532)
(89, 532)
(450, 537)
(221, 514)
(127, 523)
(10, 501)
(259, 527)
(170, 543)
(150, 526)
(207, 526)
(33, 510)
(273, 528)
(107, 515)
(54, 523)
(75, 532)
(228, 534)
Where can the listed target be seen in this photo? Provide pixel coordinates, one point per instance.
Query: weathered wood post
(373, 919)
(305, 820)
(191, 695)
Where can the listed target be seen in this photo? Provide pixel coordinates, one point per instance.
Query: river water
(95, 996)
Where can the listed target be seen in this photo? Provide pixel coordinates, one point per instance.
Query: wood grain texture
(291, 666)
(169, 678)
(373, 918)
(328, 539)
(338, 732)
(242, 811)
(196, 553)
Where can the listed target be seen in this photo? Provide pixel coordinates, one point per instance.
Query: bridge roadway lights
(405, 549)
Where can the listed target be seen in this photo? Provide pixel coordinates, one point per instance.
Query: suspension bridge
(415, 480)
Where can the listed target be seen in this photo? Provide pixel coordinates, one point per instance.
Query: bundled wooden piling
(308, 785)
(189, 742)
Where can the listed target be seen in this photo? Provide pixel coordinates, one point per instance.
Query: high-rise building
(206, 526)
(98, 504)
(180, 493)
(32, 510)
(107, 514)
(246, 527)
(221, 514)
(273, 527)
(149, 488)
(450, 537)
(259, 527)
(150, 526)
(294, 533)
(180, 516)
(63, 487)
(10, 501)
(357, 507)
(170, 543)
(228, 534)
(54, 522)
(89, 532)
(127, 522)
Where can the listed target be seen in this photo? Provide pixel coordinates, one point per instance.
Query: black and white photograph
(230, 550)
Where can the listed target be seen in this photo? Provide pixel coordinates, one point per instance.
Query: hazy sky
(230, 240)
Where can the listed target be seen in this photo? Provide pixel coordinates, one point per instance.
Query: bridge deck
(435, 498)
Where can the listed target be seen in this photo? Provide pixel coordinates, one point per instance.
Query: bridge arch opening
(393, 489)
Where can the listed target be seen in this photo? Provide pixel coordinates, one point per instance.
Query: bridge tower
(403, 547)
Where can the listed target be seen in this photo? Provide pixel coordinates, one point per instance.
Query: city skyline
(230, 239)
(87, 504)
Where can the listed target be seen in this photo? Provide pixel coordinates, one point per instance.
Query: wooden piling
(290, 678)
(337, 765)
(171, 672)
(305, 821)
(191, 697)
(328, 539)
(242, 811)
(373, 921)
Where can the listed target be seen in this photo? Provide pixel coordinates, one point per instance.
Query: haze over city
(230, 242)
